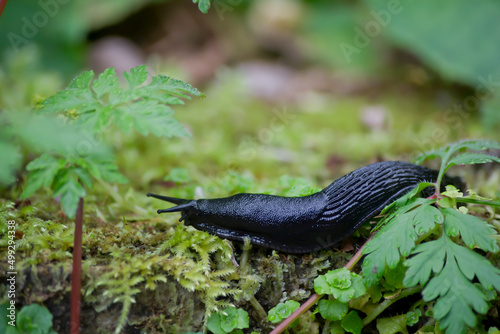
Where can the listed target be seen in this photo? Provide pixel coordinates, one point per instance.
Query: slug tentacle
(305, 224)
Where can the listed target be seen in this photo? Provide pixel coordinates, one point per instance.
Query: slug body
(305, 224)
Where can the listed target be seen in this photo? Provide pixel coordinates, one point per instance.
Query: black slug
(305, 224)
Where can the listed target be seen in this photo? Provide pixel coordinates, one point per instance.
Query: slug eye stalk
(183, 205)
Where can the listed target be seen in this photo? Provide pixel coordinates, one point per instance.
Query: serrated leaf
(426, 218)
(332, 310)
(471, 158)
(385, 250)
(66, 186)
(162, 84)
(43, 170)
(83, 176)
(433, 154)
(428, 258)
(477, 145)
(43, 162)
(458, 297)
(105, 170)
(474, 265)
(474, 231)
(79, 99)
(82, 81)
(136, 76)
(150, 117)
(106, 82)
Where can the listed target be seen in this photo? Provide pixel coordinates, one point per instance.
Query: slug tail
(174, 200)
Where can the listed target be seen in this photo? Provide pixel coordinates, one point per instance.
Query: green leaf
(162, 84)
(282, 311)
(203, 5)
(82, 81)
(105, 170)
(332, 309)
(341, 283)
(352, 323)
(470, 159)
(426, 218)
(43, 170)
(34, 319)
(393, 325)
(226, 321)
(106, 82)
(148, 116)
(383, 250)
(413, 317)
(81, 100)
(136, 76)
(214, 325)
(433, 154)
(458, 146)
(458, 297)
(473, 265)
(474, 231)
(428, 258)
(66, 186)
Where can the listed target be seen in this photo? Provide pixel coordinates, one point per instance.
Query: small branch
(388, 302)
(352, 262)
(314, 298)
(2, 6)
(476, 201)
(258, 308)
(301, 310)
(77, 271)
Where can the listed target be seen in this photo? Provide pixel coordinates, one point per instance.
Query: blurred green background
(307, 88)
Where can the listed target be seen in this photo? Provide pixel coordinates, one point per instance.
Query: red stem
(2, 6)
(77, 271)
(314, 298)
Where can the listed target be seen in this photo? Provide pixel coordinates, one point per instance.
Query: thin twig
(314, 298)
(77, 271)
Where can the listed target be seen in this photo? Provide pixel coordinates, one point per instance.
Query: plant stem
(258, 308)
(2, 5)
(388, 302)
(77, 271)
(477, 201)
(314, 298)
(302, 309)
